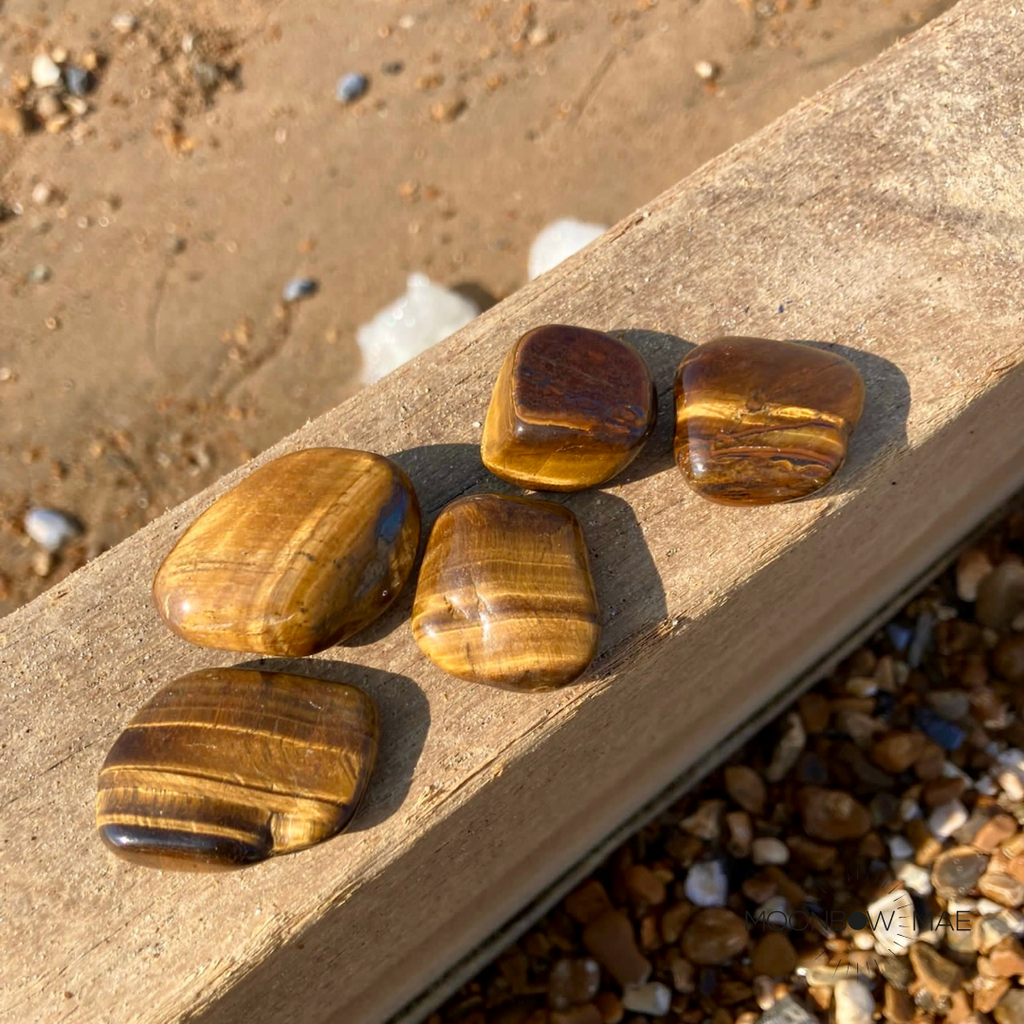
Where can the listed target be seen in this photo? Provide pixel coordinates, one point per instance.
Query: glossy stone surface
(571, 408)
(761, 421)
(225, 767)
(300, 555)
(505, 595)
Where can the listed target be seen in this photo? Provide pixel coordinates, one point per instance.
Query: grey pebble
(299, 288)
(50, 528)
(350, 87)
(77, 80)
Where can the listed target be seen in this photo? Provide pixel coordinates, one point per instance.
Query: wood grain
(885, 219)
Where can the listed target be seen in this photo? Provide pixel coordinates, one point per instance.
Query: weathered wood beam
(882, 218)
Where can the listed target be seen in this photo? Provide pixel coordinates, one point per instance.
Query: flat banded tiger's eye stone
(505, 595)
(226, 767)
(300, 555)
(571, 408)
(760, 421)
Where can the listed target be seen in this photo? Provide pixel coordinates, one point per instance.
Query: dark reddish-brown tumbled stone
(571, 409)
(761, 421)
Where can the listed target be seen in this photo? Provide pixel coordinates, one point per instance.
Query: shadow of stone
(476, 293)
(404, 715)
(662, 353)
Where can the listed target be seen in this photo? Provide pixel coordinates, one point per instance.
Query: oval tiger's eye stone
(760, 421)
(571, 409)
(300, 555)
(505, 595)
(226, 767)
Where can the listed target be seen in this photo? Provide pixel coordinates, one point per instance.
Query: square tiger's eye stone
(571, 408)
(505, 595)
(303, 553)
(760, 421)
(226, 767)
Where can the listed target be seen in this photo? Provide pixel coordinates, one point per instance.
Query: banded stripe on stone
(300, 555)
(760, 421)
(226, 767)
(505, 595)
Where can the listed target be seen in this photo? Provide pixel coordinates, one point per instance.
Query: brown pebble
(644, 886)
(1011, 1007)
(758, 888)
(774, 955)
(928, 767)
(896, 751)
(994, 833)
(956, 872)
(926, 846)
(1001, 596)
(988, 992)
(940, 976)
(1004, 889)
(1015, 868)
(746, 788)
(740, 831)
(941, 791)
(706, 821)
(13, 121)
(610, 1006)
(814, 712)
(972, 567)
(588, 1014)
(1007, 958)
(816, 856)
(714, 936)
(832, 815)
(1007, 658)
(611, 942)
(683, 972)
(674, 920)
(588, 902)
(899, 1005)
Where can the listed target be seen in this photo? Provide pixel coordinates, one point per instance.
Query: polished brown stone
(302, 554)
(505, 595)
(760, 421)
(225, 767)
(571, 408)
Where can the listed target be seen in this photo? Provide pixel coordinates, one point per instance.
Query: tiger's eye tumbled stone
(300, 555)
(760, 421)
(226, 767)
(571, 408)
(505, 595)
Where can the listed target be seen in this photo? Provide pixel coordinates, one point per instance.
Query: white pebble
(653, 999)
(707, 884)
(51, 529)
(863, 940)
(1010, 783)
(986, 786)
(768, 850)
(123, 23)
(971, 568)
(414, 322)
(558, 241)
(44, 71)
(706, 70)
(854, 1002)
(41, 193)
(900, 848)
(989, 908)
(947, 818)
(891, 918)
(909, 809)
(913, 876)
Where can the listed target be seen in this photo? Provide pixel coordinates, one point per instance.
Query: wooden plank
(882, 218)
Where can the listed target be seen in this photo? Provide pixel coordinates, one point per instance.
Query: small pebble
(854, 1003)
(1001, 596)
(899, 848)
(714, 936)
(50, 528)
(1002, 889)
(123, 23)
(45, 72)
(915, 877)
(610, 940)
(948, 736)
(573, 982)
(900, 635)
(768, 850)
(947, 818)
(351, 87)
(77, 80)
(706, 70)
(789, 748)
(42, 193)
(746, 788)
(653, 999)
(832, 815)
(299, 288)
(956, 871)
(39, 273)
(939, 975)
(707, 884)
(392, 67)
(971, 568)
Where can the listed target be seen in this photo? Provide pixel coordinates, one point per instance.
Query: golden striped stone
(761, 421)
(225, 767)
(505, 595)
(302, 554)
(571, 408)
